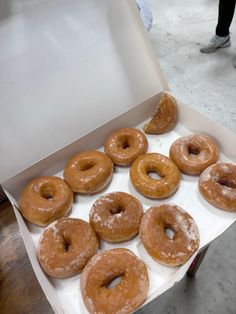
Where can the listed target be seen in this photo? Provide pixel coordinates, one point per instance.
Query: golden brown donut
(151, 187)
(122, 298)
(194, 153)
(217, 184)
(123, 146)
(88, 172)
(65, 247)
(164, 117)
(175, 246)
(115, 217)
(45, 199)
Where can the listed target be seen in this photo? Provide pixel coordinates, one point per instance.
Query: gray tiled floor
(208, 83)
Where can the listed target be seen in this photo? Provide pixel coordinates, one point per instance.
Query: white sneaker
(216, 42)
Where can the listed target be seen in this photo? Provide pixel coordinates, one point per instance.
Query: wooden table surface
(20, 291)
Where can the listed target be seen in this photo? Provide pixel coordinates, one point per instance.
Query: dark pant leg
(225, 16)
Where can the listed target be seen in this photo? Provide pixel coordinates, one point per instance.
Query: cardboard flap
(68, 67)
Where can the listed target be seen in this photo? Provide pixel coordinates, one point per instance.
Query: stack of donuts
(169, 234)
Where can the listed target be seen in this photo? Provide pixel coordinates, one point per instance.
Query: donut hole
(48, 192)
(66, 244)
(169, 232)
(154, 175)
(153, 172)
(227, 183)
(83, 166)
(193, 150)
(116, 210)
(113, 282)
(125, 144)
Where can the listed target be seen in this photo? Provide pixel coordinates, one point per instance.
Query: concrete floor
(204, 81)
(208, 83)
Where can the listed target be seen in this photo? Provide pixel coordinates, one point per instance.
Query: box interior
(64, 295)
(73, 66)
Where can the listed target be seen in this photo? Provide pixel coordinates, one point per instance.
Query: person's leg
(225, 16)
(222, 38)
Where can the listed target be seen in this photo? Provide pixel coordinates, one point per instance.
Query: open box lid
(68, 67)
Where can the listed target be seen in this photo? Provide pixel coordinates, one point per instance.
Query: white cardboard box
(69, 89)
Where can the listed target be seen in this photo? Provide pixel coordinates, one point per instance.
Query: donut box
(89, 90)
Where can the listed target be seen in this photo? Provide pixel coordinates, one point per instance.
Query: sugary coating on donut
(88, 172)
(164, 117)
(150, 187)
(194, 153)
(124, 145)
(169, 251)
(45, 199)
(217, 184)
(116, 216)
(102, 269)
(65, 247)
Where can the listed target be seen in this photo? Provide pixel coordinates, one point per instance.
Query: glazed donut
(217, 184)
(99, 273)
(88, 172)
(45, 199)
(65, 247)
(169, 234)
(165, 116)
(194, 153)
(115, 217)
(148, 186)
(123, 146)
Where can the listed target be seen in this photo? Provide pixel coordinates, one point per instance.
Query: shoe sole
(225, 45)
